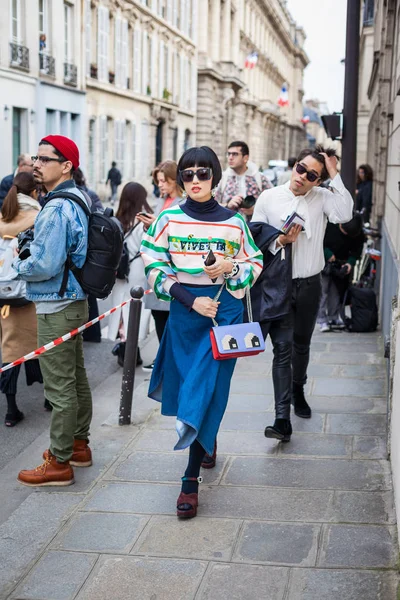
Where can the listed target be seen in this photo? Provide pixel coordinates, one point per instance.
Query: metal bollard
(131, 348)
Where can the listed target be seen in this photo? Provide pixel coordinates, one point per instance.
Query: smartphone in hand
(210, 260)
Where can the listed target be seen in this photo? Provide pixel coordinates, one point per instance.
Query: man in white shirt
(316, 205)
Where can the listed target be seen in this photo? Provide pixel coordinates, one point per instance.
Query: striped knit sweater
(176, 245)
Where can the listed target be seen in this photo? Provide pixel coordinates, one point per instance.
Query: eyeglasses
(310, 176)
(233, 154)
(202, 174)
(44, 160)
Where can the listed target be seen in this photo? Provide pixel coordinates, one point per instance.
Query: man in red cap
(61, 233)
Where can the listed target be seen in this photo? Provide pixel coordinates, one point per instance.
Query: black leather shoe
(281, 430)
(301, 407)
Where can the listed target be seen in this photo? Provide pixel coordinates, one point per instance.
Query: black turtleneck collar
(209, 211)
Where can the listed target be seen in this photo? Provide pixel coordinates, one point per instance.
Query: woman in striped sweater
(189, 383)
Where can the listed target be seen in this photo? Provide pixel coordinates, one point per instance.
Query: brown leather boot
(49, 473)
(81, 454)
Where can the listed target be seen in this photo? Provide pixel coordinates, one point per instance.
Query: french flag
(251, 60)
(283, 99)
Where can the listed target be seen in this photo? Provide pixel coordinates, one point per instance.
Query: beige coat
(19, 329)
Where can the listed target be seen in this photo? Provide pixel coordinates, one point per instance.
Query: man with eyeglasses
(61, 231)
(291, 335)
(242, 182)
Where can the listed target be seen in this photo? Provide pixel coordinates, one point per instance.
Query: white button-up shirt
(317, 207)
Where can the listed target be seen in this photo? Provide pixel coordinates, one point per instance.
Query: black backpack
(364, 309)
(105, 242)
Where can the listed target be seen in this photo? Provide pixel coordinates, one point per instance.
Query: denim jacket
(61, 229)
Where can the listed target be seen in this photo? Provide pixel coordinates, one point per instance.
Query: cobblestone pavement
(309, 520)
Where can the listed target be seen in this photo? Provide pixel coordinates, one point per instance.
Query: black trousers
(281, 334)
(306, 296)
(160, 319)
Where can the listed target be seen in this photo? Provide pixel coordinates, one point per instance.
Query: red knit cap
(67, 147)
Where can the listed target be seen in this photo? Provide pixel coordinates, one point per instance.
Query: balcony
(19, 57)
(70, 74)
(47, 65)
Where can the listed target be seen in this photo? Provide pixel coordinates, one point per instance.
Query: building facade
(235, 102)
(364, 76)
(383, 155)
(141, 84)
(41, 82)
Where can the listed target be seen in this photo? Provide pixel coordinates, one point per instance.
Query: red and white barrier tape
(66, 337)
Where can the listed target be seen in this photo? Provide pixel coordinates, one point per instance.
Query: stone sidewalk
(309, 520)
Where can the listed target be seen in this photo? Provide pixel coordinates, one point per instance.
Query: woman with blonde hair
(18, 323)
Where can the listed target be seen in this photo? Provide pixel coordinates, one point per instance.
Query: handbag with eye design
(237, 340)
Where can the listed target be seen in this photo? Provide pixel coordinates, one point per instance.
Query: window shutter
(153, 66)
(88, 36)
(169, 10)
(124, 54)
(182, 17)
(193, 32)
(193, 86)
(103, 147)
(117, 50)
(154, 5)
(103, 31)
(144, 148)
(137, 60)
(133, 150)
(168, 69)
(175, 13)
(161, 70)
(181, 80)
(145, 63)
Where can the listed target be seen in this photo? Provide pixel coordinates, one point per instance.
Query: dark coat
(272, 293)
(5, 187)
(364, 199)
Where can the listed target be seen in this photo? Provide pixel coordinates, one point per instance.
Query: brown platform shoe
(81, 454)
(48, 473)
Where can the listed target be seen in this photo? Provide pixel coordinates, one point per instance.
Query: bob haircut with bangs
(201, 156)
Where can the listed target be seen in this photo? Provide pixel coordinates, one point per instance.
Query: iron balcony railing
(47, 64)
(70, 74)
(19, 56)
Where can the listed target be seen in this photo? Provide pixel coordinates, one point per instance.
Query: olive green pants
(65, 381)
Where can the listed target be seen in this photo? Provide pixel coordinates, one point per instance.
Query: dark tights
(196, 455)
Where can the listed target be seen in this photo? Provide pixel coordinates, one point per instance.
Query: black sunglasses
(310, 176)
(202, 174)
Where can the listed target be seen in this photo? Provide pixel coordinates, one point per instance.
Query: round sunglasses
(310, 176)
(202, 174)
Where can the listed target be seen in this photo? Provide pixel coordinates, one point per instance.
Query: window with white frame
(44, 30)
(68, 33)
(103, 26)
(88, 36)
(103, 147)
(15, 24)
(137, 59)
